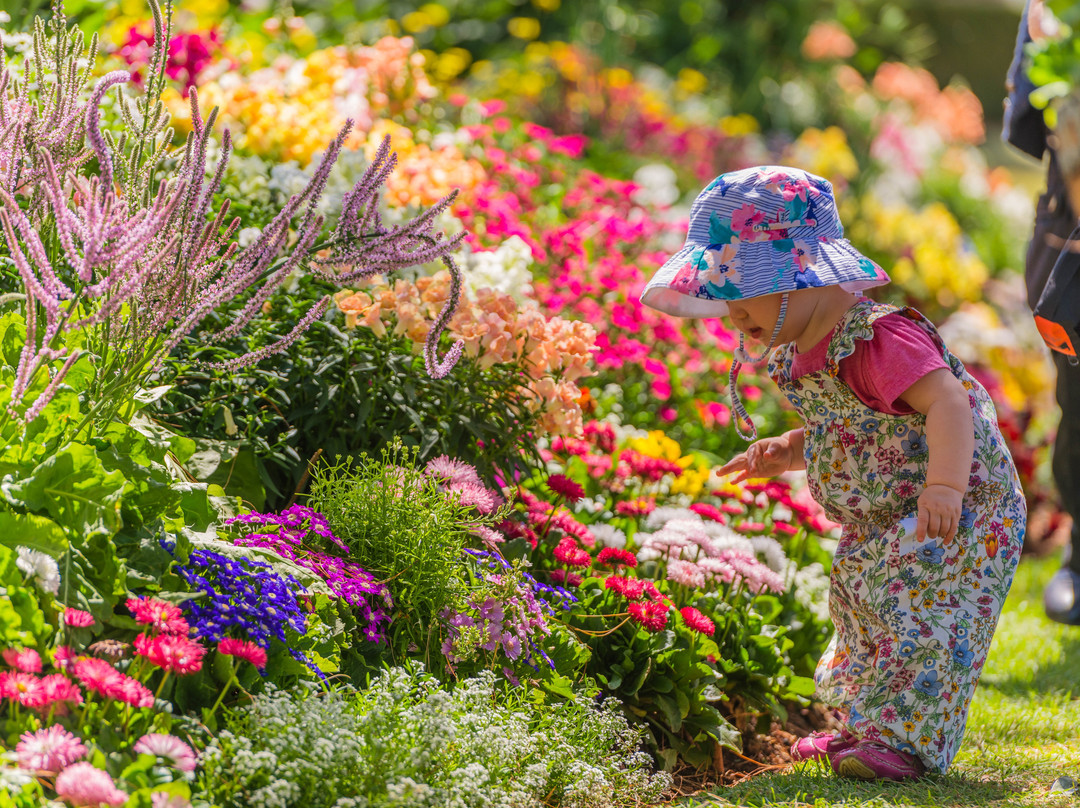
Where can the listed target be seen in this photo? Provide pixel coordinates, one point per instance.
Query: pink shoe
(821, 744)
(873, 760)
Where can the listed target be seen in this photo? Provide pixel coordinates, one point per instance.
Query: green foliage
(408, 741)
(338, 393)
(404, 530)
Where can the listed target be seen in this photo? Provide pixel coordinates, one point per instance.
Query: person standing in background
(1025, 128)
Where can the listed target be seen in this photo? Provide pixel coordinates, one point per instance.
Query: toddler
(900, 445)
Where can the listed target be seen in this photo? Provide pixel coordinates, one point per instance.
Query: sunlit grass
(1023, 728)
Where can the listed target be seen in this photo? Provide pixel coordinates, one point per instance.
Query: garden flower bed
(339, 463)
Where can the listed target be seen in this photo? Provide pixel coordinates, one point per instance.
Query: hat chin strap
(741, 358)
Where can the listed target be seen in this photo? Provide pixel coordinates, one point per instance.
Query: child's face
(756, 317)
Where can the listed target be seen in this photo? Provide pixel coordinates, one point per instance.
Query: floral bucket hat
(757, 231)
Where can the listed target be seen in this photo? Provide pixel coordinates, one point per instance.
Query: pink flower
(707, 511)
(24, 688)
(82, 784)
(49, 750)
(162, 799)
(97, 675)
(614, 557)
(563, 486)
(26, 660)
(160, 615)
(450, 471)
(696, 621)
(64, 658)
(244, 650)
(59, 691)
(163, 745)
(562, 578)
(171, 652)
(476, 495)
(77, 618)
(629, 588)
(133, 692)
(652, 616)
(567, 552)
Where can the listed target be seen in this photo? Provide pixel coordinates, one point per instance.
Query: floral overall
(913, 619)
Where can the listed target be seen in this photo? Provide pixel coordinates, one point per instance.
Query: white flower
(657, 186)
(608, 535)
(246, 237)
(41, 567)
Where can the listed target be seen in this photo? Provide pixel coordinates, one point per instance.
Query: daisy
(49, 750)
(169, 747)
(84, 784)
(41, 567)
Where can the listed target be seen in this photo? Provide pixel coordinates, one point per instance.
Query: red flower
(26, 660)
(615, 557)
(563, 486)
(171, 652)
(635, 507)
(244, 650)
(160, 615)
(562, 578)
(707, 511)
(77, 618)
(567, 552)
(629, 588)
(732, 508)
(653, 616)
(696, 621)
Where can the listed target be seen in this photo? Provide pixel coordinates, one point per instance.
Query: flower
(49, 750)
(41, 567)
(77, 618)
(101, 677)
(24, 688)
(567, 552)
(451, 471)
(26, 660)
(59, 691)
(696, 621)
(163, 745)
(629, 588)
(651, 615)
(82, 784)
(158, 614)
(614, 557)
(162, 799)
(244, 650)
(563, 486)
(171, 652)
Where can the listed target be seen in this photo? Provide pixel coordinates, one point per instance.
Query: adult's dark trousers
(1054, 222)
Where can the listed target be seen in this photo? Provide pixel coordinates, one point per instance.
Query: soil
(761, 753)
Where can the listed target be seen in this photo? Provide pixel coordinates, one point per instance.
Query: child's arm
(768, 457)
(950, 437)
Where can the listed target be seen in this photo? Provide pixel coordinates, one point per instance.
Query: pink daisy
(26, 660)
(696, 621)
(163, 745)
(563, 486)
(491, 538)
(49, 750)
(567, 552)
(131, 691)
(64, 658)
(24, 688)
(58, 691)
(97, 675)
(629, 588)
(160, 615)
(77, 618)
(652, 616)
(450, 471)
(475, 495)
(83, 784)
(171, 652)
(614, 557)
(243, 650)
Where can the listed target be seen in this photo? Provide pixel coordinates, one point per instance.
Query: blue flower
(914, 444)
(927, 682)
(962, 656)
(907, 648)
(967, 517)
(931, 553)
(870, 425)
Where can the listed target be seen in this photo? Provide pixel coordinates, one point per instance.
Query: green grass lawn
(1023, 729)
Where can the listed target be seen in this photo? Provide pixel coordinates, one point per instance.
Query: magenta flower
(26, 660)
(696, 621)
(563, 486)
(242, 649)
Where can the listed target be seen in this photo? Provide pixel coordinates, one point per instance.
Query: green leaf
(671, 712)
(33, 531)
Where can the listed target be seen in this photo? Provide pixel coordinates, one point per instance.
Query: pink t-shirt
(882, 368)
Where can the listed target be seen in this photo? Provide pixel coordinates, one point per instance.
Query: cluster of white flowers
(410, 743)
(811, 585)
(41, 567)
(506, 269)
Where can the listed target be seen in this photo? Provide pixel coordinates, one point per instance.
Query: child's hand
(939, 513)
(764, 458)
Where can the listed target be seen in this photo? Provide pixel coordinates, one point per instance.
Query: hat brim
(674, 290)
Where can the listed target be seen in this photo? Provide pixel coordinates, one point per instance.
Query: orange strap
(1055, 336)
